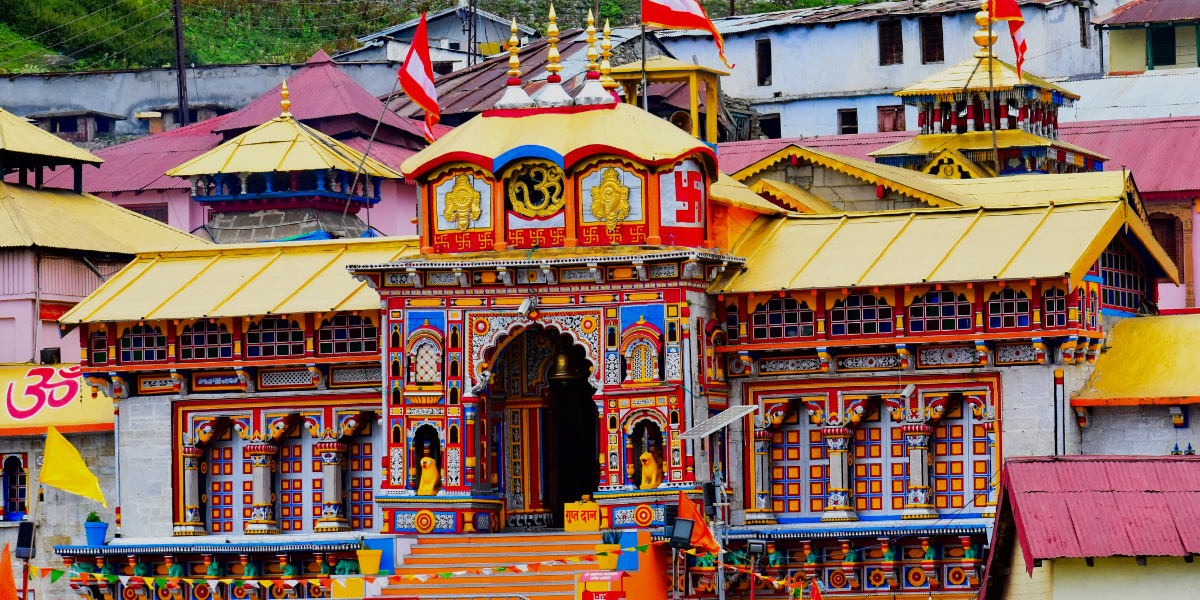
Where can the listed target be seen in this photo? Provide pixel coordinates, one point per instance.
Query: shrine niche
(612, 204)
(534, 202)
(462, 212)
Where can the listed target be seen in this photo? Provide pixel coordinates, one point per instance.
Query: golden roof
(1150, 360)
(977, 140)
(794, 196)
(728, 190)
(564, 135)
(281, 144)
(241, 279)
(972, 75)
(1016, 190)
(19, 135)
(932, 245)
(661, 64)
(921, 186)
(54, 218)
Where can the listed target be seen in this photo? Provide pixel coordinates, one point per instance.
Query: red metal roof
(1151, 11)
(1089, 506)
(318, 91)
(735, 156)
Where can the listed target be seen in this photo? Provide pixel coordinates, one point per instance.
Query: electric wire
(59, 43)
(62, 25)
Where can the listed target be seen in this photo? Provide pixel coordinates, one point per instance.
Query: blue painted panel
(419, 318)
(654, 314)
(628, 561)
(387, 562)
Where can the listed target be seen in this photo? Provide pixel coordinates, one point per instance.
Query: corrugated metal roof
(52, 218)
(318, 90)
(1151, 11)
(1148, 95)
(850, 250)
(1097, 506)
(241, 279)
(1150, 360)
(394, 29)
(1162, 154)
(1016, 190)
(19, 135)
(735, 156)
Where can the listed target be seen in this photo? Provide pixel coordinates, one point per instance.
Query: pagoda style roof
(936, 245)
(281, 144)
(971, 75)
(563, 136)
(663, 64)
(978, 140)
(57, 218)
(230, 280)
(19, 136)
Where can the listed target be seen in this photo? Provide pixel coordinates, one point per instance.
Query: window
(226, 478)
(291, 486)
(860, 314)
(205, 340)
(1091, 312)
(869, 464)
(770, 126)
(1054, 305)
(782, 318)
(158, 212)
(641, 361)
(939, 311)
(951, 455)
(891, 118)
(425, 363)
(1123, 276)
(1166, 230)
(1008, 309)
(274, 337)
(443, 67)
(64, 124)
(1162, 46)
(103, 125)
(762, 57)
(1084, 39)
(15, 481)
(143, 343)
(99, 347)
(891, 43)
(931, 40)
(799, 467)
(731, 322)
(348, 334)
(848, 120)
(361, 489)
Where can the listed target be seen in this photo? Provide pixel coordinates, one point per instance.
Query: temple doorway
(574, 445)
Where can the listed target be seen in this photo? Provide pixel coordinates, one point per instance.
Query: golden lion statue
(430, 478)
(651, 472)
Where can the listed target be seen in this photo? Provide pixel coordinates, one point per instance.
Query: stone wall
(844, 192)
(60, 516)
(146, 461)
(1028, 411)
(1138, 430)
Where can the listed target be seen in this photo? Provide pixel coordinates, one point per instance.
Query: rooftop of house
(77, 113)
(412, 23)
(1138, 12)
(24, 144)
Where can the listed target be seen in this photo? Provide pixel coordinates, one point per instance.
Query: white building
(833, 69)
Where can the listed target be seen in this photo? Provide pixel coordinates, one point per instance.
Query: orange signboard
(39, 395)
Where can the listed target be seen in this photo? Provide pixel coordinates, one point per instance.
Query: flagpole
(645, 86)
(991, 50)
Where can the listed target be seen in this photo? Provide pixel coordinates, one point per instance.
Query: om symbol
(546, 181)
(44, 393)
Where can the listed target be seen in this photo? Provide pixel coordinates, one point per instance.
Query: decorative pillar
(838, 505)
(192, 522)
(761, 511)
(262, 515)
(333, 511)
(918, 504)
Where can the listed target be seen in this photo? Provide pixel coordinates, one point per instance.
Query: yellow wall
(1023, 587)
(1129, 49)
(1121, 578)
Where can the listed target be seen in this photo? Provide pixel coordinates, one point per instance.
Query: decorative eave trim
(486, 262)
(205, 548)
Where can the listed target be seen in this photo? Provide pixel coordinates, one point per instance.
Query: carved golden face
(462, 202)
(610, 199)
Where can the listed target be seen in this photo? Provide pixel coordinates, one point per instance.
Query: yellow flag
(63, 468)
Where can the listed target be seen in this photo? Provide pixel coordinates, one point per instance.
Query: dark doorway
(571, 432)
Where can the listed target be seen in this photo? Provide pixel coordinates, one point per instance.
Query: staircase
(443, 553)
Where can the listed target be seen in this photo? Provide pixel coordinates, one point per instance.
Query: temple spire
(514, 95)
(285, 103)
(592, 91)
(553, 94)
(985, 37)
(606, 79)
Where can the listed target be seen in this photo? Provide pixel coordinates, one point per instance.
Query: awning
(1151, 360)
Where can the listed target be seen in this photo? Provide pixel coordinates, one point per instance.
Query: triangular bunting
(444, 575)
(124, 579)
(535, 567)
(522, 568)
(55, 575)
(458, 573)
(225, 581)
(643, 547)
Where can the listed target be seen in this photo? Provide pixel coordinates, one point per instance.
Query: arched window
(454, 395)
(204, 340)
(454, 337)
(395, 365)
(1008, 309)
(347, 334)
(15, 482)
(860, 314)
(425, 363)
(1054, 306)
(641, 360)
(395, 337)
(453, 434)
(273, 337)
(781, 318)
(143, 343)
(939, 311)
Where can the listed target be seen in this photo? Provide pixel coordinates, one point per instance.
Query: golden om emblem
(610, 199)
(462, 202)
(546, 180)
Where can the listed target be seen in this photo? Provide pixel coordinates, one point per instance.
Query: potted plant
(95, 529)
(612, 541)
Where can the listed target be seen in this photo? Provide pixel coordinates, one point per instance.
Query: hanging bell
(564, 367)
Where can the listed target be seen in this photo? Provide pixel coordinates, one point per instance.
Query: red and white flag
(416, 77)
(1007, 10)
(682, 14)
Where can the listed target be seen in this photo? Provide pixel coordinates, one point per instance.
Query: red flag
(701, 536)
(682, 14)
(416, 77)
(1007, 10)
(8, 585)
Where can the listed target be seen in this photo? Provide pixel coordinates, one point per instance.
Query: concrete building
(449, 39)
(832, 69)
(1145, 35)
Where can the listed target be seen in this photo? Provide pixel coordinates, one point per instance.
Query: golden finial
(514, 46)
(983, 37)
(285, 103)
(552, 56)
(592, 54)
(606, 80)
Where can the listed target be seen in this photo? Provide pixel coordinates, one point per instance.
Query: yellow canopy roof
(728, 190)
(241, 279)
(972, 75)
(54, 218)
(931, 245)
(798, 198)
(565, 136)
(661, 64)
(977, 140)
(1017, 190)
(281, 144)
(1150, 360)
(19, 135)
(921, 186)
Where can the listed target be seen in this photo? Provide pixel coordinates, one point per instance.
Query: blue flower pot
(96, 533)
